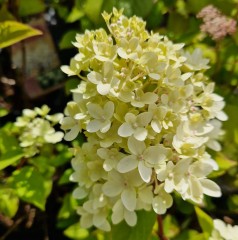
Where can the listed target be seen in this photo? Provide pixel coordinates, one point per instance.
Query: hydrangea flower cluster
(36, 129)
(149, 113)
(223, 231)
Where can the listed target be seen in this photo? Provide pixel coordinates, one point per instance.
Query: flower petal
(105, 126)
(79, 193)
(200, 169)
(145, 172)
(127, 164)
(72, 134)
(169, 185)
(125, 130)
(112, 188)
(94, 77)
(94, 126)
(128, 198)
(130, 218)
(154, 155)
(159, 205)
(95, 110)
(117, 212)
(108, 109)
(210, 188)
(103, 89)
(136, 147)
(140, 134)
(144, 118)
(156, 126)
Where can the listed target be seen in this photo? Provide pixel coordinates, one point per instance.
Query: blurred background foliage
(35, 192)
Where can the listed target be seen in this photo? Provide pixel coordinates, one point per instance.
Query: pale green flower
(43, 111)
(123, 185)
(214, 135)
(111, 157)
(94, 211)
(104, 51)
(107, 139)
(195, 60)
(158, 120)
(73, 121)
(189, 179)
(73, 69)
(135, 125)
(162, 201)
(85, 90)
(101, 117)
(148, 113)
(149, 60)
(186, 143)
(212, 103)
(105, 80)
(85, 174)
(120, 212)
(223, 231)
(141, 99)
(145, 197)
(142, 157)
(129, 49)
(36, 129)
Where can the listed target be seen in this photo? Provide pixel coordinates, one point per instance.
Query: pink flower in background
(215, 24)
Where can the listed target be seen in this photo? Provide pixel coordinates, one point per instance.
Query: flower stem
(160, 232)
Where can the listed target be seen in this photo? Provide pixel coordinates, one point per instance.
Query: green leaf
(67, 39)
(9, 149)
(64, 179)
(42, 164)
(74, 15)
(190, 234)
(67, 214)
(9, 202)
(143, 7)
(3, 112)
(205, 221)
(32, 7)
(170, 225)
(233, 203)
(177, 24)
(10, 158)
(184, 207)
(223, 162)
(5, 14)
(231, 124)
(8, 142)
(156, 15)
(68, 207)
(76, 232)
(61, 158)
(12, 32)
(30, 186)
(141, 231)
(62, 10)
(195, 6)
(92, 9)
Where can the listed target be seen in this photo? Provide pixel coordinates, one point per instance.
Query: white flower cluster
(36, 129)
(149, 113)
(223, 231)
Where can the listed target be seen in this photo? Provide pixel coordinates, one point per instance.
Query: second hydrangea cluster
(149, 114)
(35, 129)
